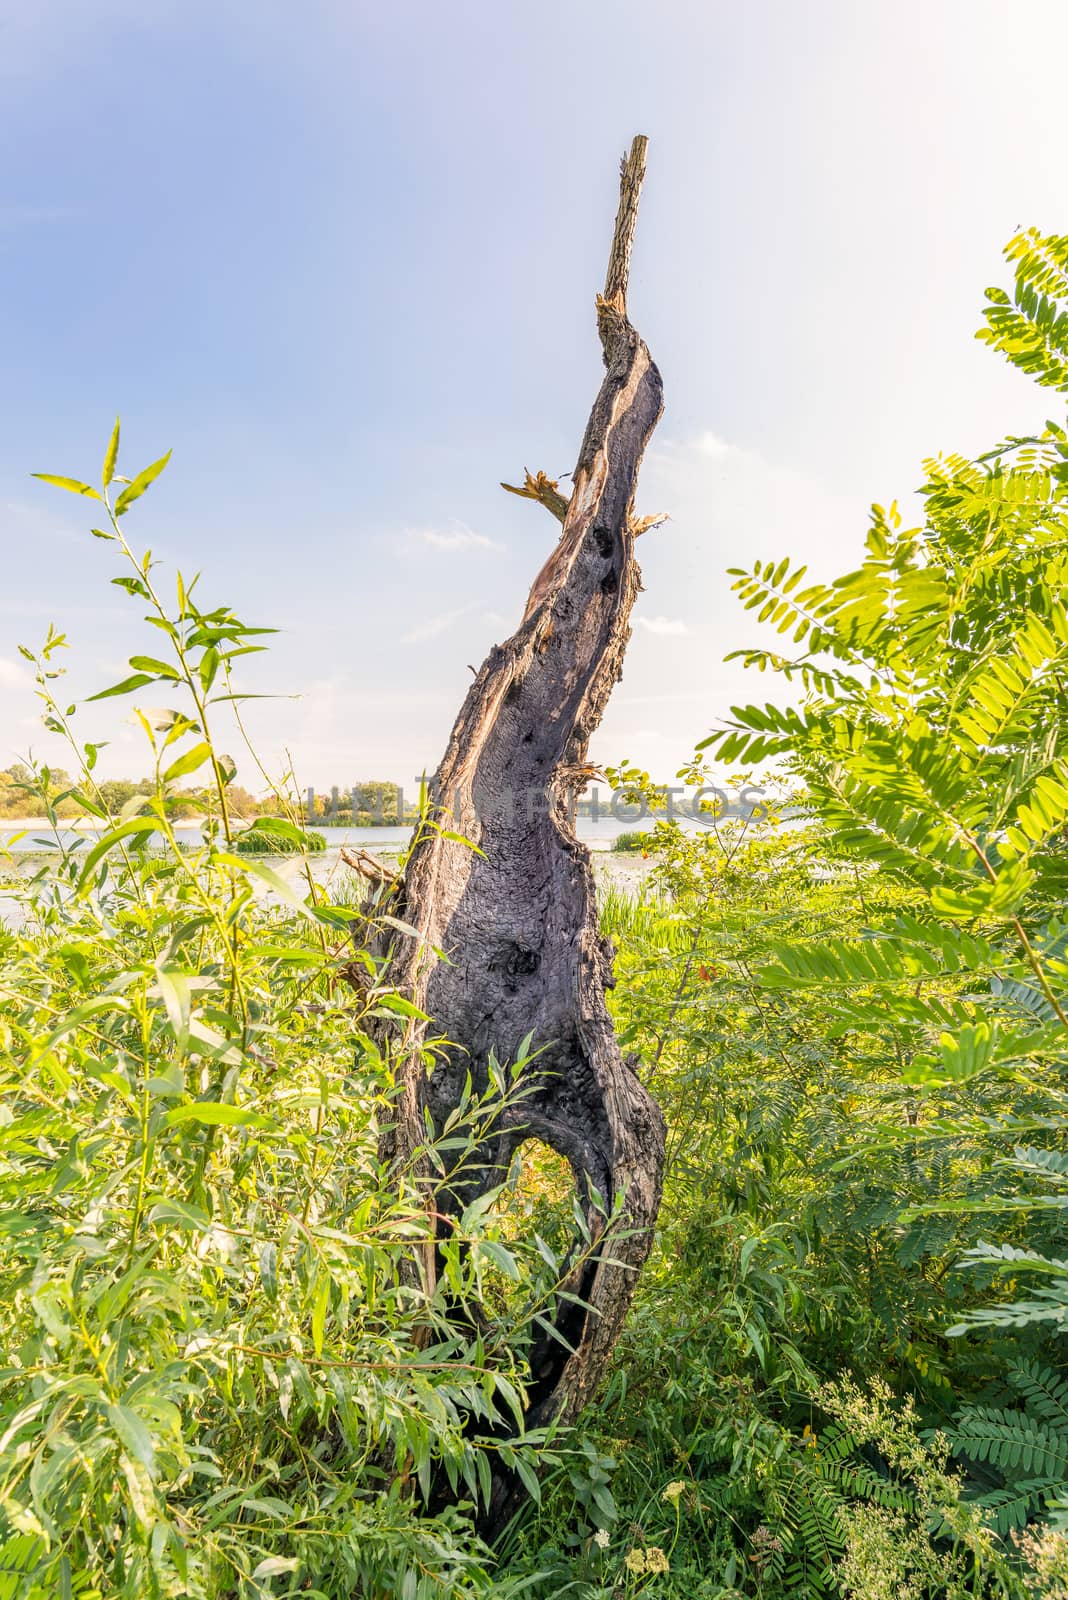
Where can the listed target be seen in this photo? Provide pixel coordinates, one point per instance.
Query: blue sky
(342, 259)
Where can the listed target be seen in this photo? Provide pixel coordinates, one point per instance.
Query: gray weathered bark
(519, 922)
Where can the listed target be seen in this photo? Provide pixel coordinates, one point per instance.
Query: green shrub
(223, 1376)
(634, 843)
(848, 1345)
(274, 836)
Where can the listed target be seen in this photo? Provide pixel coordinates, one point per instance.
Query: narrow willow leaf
(189, 762)
(180, 1215)
(163, 669)
(176, 994)
(111, 455)
(209, 666)
(136, 489)
(401, 927)
(126, 830)
(134, 1435)
(127, 686)
(134, 586)
(72, 485)
(269, 1269)
(214, 1114)
(319, 1310)
(88, 804)
(399, 1005)
(273, 1565)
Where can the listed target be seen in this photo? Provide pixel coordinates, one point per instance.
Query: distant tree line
(370, 804)
(362, 804)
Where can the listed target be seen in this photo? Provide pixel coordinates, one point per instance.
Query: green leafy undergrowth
(858, 1030)
(223, 1374)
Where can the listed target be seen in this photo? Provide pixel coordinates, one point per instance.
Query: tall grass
(653, 919)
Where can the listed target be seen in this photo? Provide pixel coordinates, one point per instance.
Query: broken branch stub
(518, 921)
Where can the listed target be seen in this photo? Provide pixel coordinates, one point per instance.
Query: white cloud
(13, 674)
(729, 504)
(456, 536)
(434, 626)
(710, 444)
(663, 627)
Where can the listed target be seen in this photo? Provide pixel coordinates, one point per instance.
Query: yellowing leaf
(111, 455)
(136, 489)
(72, 485)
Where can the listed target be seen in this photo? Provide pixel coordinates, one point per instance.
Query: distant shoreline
(79, 824)
(97, 824)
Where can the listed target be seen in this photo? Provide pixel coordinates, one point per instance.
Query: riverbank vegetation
(844, 1372)
(19, 798)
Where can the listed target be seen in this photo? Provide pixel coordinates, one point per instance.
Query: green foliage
(785, 1249)
(1030, 326)
(844, 1373)
(634, 842)
(1028, 1446)
(860, 1039)
(626, 917)
(224, 1375)
(931, 746)
(1033, 1283)
(278, 836)
(20, 1557)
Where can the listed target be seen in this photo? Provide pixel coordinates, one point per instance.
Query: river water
(599, 834)
(33, 844)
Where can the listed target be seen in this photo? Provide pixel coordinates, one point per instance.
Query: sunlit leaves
(133, 491)
(214, 1114)
(155, 667)
(125, 686)
(189, 762)
(135, 827)
(72, 485)
(939, 761)
(197, 1186)
(1031, 328)
(111, 455)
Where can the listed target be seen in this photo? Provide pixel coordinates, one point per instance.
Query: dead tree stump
(518, 921)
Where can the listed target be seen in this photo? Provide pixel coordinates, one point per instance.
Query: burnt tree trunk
(519, 922)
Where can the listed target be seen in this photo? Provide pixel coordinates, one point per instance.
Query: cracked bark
(519, 922)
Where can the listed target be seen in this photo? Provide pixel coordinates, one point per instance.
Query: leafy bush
(224, 1376)
(276, 836)
(627, 917)
(860, 1041)
(634, 843)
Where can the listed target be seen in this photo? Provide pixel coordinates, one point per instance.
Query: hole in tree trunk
(537, 1195)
